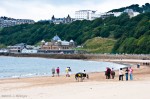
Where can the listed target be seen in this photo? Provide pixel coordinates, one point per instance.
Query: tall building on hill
(86, 15)
(66, 20)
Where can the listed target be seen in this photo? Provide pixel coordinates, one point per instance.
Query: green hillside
(137, 38)
(132, 35)
(99, 45)
(1, 28)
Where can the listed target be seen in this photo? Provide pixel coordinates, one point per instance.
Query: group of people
(110, 73)
(128, 72)
(57, 71)
(68, 71)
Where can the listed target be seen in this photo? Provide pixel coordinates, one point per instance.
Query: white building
(131, 13)
(91, 15)
(29, 51)
(116, 14)
(86, 15)
(4, 51)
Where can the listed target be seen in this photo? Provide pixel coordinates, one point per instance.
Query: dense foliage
(134, 7)
(132, 35)
(136, 36)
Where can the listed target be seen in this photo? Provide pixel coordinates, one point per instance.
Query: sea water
(14, 67)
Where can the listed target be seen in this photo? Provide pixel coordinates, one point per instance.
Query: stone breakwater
(81, 56)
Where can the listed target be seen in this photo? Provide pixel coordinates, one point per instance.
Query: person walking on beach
(53, 72)
(112, 73)
(85, 74)
(138, 65)
(126, 73)
(131, 73)
(121, 74)
(58, 71)
(69, 72)
(107, 73)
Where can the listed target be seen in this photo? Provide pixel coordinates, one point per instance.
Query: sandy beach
(97, 87)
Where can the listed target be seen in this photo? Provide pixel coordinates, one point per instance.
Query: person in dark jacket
(107, 73)
(58, 71)
(112, 73)
(126, 73)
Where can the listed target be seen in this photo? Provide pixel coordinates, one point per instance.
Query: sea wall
(81, 56)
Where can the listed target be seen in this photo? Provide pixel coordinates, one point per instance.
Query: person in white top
(121, 74)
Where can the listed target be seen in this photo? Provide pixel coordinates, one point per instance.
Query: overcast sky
(44, 9)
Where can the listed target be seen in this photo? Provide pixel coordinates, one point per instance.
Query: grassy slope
(99, 45)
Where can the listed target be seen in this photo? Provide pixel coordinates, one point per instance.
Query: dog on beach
(81, 76)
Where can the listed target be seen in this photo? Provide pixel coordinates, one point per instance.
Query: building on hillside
(116, 14)
(86, 15)
(106, 15)
(3, 50)
(91, 15)
(57, 46)
(22, 48)
(66, 20)
(29, 51)
(110, 14)
(7, 22)
(16, 48)
(131, 13)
